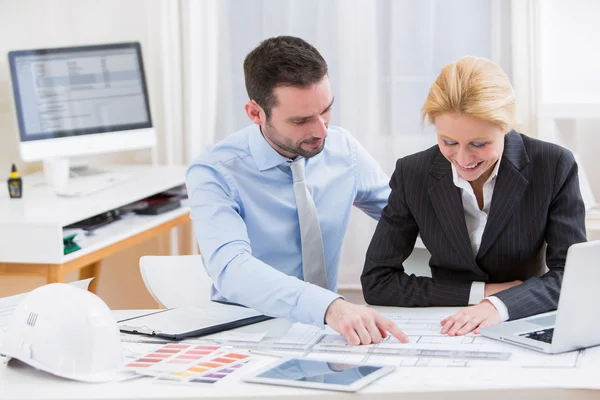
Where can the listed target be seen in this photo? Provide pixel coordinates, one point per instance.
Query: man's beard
(296, 149)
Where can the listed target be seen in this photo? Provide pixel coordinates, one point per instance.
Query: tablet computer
(319, 374)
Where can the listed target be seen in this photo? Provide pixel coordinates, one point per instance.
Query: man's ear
(255, 112)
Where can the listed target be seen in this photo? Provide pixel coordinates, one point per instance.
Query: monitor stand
(59, 170)
(56, 171)
(80, 171)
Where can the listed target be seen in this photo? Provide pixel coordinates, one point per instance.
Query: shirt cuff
(313, 304)
(500, 306)
(477, 292)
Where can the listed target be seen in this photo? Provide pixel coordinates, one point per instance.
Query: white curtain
(525, 62)
(382, 56)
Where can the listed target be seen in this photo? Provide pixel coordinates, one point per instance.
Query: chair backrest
(176, 281)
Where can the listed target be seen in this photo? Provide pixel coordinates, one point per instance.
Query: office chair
(176, 281)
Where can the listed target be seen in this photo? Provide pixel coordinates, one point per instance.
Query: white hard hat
(67, 332)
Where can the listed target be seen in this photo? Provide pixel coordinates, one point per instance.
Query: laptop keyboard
(545, 335)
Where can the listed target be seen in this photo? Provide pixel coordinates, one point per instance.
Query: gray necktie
(313, 260)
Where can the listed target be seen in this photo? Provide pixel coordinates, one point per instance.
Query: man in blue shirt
(246, 215)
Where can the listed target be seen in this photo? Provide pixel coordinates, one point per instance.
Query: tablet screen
(302, 370)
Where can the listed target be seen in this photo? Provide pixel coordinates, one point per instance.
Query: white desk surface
(23, 382)
(41, 206)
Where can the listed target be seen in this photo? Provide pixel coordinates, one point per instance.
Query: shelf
(31, 228)
(129, 225)
(41, 206)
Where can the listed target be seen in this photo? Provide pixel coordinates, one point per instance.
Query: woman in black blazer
(488, 202)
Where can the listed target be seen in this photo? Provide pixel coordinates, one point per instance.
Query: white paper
(301, 334)
(142, 339)
(423, 329)
(234, 336)
(524, 369)
(7, 307)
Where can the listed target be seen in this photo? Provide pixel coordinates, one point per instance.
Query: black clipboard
(187, 322)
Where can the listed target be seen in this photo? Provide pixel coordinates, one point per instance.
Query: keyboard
(83, 186)
(95, 222)
(544, 335)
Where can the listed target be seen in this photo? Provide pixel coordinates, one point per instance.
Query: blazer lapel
(509, 189)
(447, 203)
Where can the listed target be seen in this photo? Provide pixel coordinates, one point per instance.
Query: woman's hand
(471, 318)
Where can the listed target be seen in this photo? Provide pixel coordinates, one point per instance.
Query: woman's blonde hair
(472, 86)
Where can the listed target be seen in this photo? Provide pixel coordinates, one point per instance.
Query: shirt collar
(456, 178)
(264, 155)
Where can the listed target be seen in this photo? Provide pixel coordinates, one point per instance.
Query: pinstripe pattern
(536, 202)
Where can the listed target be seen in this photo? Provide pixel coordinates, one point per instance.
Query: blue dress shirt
(246, 222)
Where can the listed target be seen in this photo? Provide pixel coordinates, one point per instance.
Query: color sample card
(173, 357)
(209, 370)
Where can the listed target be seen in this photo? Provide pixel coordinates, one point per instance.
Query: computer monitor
(77, 101)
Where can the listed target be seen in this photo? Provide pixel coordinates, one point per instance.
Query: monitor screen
(74, 91)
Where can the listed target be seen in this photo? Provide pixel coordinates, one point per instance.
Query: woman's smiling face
(471, 144)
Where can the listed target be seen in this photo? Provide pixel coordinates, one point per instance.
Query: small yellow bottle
(15, 184)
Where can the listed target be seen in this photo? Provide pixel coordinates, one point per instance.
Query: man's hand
(471, 318)
(493, 288)
(360, 325)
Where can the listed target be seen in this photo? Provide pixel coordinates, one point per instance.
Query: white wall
(569, 56)
(569, 39)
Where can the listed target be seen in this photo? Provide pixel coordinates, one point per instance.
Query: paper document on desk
(303, 334)
(7, 307)
(234, 336)
(524, 369)
(423, 328)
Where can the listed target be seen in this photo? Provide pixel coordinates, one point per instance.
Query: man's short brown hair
(281, 61)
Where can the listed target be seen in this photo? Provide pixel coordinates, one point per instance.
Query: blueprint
(424, 333)
(468, 362)
(427, 347)
(464, 362)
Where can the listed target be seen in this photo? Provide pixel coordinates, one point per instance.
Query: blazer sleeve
(565, 226)
(384, 280)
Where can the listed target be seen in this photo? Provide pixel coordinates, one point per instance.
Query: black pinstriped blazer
(536, 201)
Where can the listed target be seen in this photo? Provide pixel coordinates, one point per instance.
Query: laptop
(574, 325)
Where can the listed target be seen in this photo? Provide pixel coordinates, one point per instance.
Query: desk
(37, 220)
(23, 382)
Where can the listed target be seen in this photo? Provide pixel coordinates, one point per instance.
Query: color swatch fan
(182, 363)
